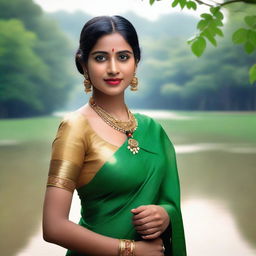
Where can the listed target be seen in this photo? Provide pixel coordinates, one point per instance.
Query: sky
(113, 7)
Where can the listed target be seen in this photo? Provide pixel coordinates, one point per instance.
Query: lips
(113, 81)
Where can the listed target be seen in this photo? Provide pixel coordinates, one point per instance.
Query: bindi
(113, 49)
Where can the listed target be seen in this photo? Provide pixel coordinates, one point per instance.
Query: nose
(113, 67)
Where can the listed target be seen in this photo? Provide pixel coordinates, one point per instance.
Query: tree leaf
(218, 22)
(202, 24)
(213, 10)
(191, 5)
(248, 47)
(198, 46)
(252, 37)
(250, 21)
(240, 36)
(183, 3)
(252, 73)
(151, 1)
(219, 15)
(207, 33)
(175, 3)
(219, 32)
(206, 16)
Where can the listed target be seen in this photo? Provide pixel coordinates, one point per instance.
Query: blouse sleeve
(170, 197)
(68, 151)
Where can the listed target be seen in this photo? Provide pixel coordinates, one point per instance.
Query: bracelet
(126, 247)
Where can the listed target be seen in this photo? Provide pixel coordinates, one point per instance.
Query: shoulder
(146, 122)
(146, 119)
(73, 123)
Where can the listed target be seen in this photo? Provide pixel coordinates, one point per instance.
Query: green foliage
(16, 45)
(34, 75)
(252, 73)
(185, 3)
(198, 45)
(209, 27)
(216, 82)
(247, 36)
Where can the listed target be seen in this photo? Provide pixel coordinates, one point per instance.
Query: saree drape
(126, 181)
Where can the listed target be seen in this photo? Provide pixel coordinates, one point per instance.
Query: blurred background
(206, 105)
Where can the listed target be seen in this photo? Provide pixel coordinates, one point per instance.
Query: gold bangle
(121, 248)
(126, 247)
(132, 248)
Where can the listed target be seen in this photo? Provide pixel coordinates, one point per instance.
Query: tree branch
(225, 3)
(202, 2)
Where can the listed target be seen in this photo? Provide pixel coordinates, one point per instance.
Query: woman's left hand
(150, 220)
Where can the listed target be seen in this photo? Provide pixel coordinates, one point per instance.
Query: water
(217, 175)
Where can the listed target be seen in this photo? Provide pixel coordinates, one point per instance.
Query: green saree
(125, 181)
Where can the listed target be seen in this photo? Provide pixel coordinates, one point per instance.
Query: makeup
(113, 81)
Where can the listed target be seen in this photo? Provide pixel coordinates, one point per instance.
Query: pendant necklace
(127, 127)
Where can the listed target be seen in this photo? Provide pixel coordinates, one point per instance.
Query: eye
(100, 58)
(123, 57)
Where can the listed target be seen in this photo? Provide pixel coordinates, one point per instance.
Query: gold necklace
(127, 127)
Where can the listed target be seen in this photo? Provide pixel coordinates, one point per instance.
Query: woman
(122, 165)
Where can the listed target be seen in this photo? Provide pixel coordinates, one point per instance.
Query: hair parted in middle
(100, 26)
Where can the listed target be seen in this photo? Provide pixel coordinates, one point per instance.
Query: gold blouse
(78, 152)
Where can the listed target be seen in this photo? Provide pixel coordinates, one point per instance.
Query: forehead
(112, 41)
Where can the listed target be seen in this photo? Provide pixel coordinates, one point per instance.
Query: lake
(216, 155)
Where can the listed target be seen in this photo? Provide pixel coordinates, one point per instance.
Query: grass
(202, 126)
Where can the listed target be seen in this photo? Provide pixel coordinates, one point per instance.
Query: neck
(114, 105)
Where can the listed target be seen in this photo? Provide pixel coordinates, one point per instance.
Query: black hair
(105, 25)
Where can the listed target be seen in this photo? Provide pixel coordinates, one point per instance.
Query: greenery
(34, 76)
(171, 77)
(199, 127)
(211, 23)
(38, 75)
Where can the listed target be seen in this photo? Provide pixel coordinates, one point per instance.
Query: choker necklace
(127, 127)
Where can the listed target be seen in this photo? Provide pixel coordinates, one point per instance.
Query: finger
(149, 231)
(142, 221)
(146, 226)
(152, 236)
(151, 224)
(139, 209)
(142, 214)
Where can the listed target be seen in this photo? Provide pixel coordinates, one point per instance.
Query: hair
(100, 26)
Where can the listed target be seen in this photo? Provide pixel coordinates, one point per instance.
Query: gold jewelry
(134, 83)
(126, 247)
(127, 127)
(87, 83)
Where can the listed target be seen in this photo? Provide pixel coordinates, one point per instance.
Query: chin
(114, 91)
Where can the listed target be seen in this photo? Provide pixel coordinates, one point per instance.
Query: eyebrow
(103, 52)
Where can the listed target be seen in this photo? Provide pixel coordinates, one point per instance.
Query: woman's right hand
(149, 247)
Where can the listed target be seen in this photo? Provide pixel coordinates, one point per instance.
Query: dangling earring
(134, 83)
(87, 83)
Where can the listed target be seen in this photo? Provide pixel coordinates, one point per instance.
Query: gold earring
(87, 83)
(134, 83)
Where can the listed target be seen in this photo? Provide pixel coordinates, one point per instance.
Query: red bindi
(113, 49)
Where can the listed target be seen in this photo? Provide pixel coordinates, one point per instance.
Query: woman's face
(111, 64)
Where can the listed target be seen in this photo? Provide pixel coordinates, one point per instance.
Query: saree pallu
(126, 181)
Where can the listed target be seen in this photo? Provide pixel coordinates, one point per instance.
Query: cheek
(95, 71)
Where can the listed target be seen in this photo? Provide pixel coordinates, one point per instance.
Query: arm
(59, 230)
(165, 218)
(68, 151)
